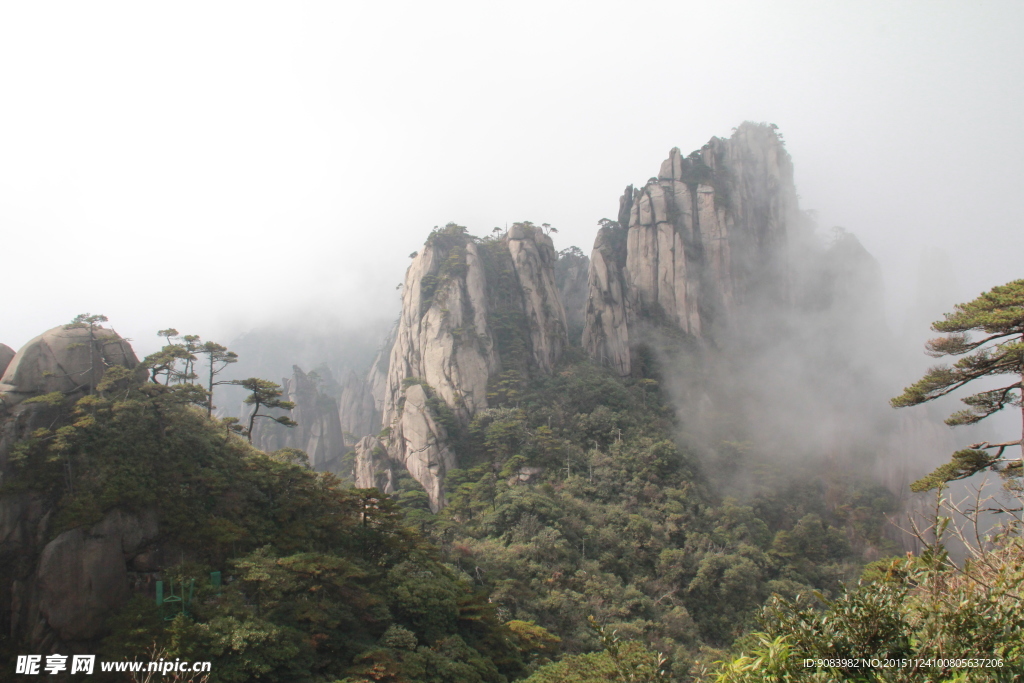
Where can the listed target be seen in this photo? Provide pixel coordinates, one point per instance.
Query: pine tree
(999, 316)
(265, 394)
(217, 358)
(91, 323)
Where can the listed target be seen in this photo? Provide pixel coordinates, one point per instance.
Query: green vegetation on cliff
(321, 581)
(575, 500)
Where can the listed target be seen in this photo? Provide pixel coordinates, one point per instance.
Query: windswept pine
(997, 317)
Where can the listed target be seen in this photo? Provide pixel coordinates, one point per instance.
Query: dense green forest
(582, 541)
(327, 582)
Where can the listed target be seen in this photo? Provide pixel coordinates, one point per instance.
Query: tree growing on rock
(265, 394)
(999, 316)
(165, 361)
(91, 323)
(217, 359)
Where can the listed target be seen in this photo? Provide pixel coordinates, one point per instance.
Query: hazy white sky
(214, 165)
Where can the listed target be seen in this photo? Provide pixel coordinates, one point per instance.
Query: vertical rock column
(445, 352)
(533, 258)
(442, 339)
(705, 242)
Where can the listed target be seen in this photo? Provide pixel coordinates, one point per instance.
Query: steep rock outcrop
(533, 259)
(423, 443)
(318, 432)
(373, 467)
(606, 331)
(357, 410)
(443, 335)
(462, 300)
(703, 241)
(571, 272)
(377, 376)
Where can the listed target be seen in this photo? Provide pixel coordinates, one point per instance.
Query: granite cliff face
(571, 273)
(533, 260)
(462, 299)
(373, 467)
(705, 240)
(421, 440)
(358, 413)
(377, 376)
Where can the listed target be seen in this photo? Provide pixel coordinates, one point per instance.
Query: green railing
(172, 604)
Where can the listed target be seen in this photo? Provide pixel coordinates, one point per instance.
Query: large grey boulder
(66, 360)
(82, 577)
(6, 356)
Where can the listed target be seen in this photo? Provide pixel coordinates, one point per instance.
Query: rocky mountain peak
(695, 245)
(471, 309)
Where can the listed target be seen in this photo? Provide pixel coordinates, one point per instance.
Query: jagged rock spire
(694, 246)
(447, 347)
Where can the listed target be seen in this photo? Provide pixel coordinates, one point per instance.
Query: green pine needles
(999, 316)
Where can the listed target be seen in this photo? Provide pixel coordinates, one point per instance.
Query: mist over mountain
(663, 437)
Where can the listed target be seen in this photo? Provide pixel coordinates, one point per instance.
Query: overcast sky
(211, 166)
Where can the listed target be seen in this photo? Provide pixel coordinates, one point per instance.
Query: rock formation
(606, 332)
(78, 578)
(82, 576)
(6, 356)
(533, 259)
(571, 272)
(705, 240)
(65, 359)
(377, 376)
(373, 467)
(422, 442)
(319, 431)
(463, 300)
(358, 412)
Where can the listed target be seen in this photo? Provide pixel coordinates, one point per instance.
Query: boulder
(6, 356)
(82, 576)
(69, 360)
